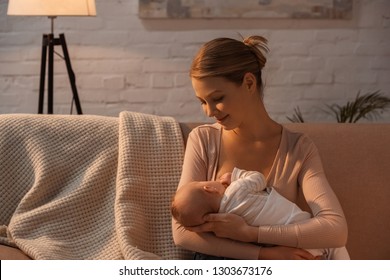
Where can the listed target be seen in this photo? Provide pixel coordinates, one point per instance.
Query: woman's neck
(258, 126)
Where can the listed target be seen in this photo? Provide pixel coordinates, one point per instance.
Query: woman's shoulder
(206, 130)
(205, 137)
(297, 140)
(208, 127)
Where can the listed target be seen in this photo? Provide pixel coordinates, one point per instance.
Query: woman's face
(223, 100)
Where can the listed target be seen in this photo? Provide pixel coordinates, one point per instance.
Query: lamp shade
(51, 8)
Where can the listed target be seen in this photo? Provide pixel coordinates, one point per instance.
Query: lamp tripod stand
(48, 43)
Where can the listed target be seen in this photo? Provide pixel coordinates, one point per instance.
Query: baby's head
(194, 200)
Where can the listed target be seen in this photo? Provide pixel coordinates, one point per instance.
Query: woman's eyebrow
(210, 94)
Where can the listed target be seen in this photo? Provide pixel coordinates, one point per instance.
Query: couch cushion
(356, 159)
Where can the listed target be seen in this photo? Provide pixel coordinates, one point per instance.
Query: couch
(111, 181)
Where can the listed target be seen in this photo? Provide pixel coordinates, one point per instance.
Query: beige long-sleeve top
(297, 169)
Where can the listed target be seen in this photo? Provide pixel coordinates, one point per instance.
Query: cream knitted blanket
(89, 187)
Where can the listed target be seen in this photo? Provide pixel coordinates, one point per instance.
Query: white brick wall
(124, 63)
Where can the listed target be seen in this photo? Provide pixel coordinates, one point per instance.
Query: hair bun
(257, 41)
(258, 45)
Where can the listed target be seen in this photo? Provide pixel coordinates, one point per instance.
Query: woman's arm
(195, 168)
(200, 242)
(208, 243)
(328, 227)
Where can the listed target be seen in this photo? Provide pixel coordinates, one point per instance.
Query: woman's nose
(210, 110)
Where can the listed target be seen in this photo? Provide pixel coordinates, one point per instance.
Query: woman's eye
(219, 99)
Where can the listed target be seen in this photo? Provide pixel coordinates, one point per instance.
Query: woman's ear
(249, 82)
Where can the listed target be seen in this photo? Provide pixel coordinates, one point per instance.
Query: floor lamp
(52, 9)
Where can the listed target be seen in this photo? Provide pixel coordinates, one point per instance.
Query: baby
(243, 193)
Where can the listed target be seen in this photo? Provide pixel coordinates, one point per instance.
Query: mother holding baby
(227, 79)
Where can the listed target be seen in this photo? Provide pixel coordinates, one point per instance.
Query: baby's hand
(226, 179)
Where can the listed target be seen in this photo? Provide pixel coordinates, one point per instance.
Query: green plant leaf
(367, 106)
(297, 117)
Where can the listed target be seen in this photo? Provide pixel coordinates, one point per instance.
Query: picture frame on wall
(261, 9)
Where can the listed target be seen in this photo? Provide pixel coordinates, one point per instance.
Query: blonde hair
(231, 59)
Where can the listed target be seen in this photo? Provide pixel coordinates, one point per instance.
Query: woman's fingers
(215, 218)
(304, 255)
(206, 227)
(212, 223)
(227, 226)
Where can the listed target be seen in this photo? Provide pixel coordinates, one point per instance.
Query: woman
(226, 77)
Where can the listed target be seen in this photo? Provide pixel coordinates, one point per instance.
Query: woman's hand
(234, 227)
(227, 226)
(285, 253)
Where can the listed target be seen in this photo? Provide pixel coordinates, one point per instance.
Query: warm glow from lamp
(51, 8)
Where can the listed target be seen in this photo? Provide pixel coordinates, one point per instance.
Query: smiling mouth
(222, 119)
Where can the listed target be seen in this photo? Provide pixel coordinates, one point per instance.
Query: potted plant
(367, 106)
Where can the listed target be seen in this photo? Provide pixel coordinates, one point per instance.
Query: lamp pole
(48, 43)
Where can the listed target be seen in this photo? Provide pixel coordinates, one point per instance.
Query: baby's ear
(210, 189)
(220, 189)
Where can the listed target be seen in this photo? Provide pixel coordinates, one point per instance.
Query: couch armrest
(10, 253)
